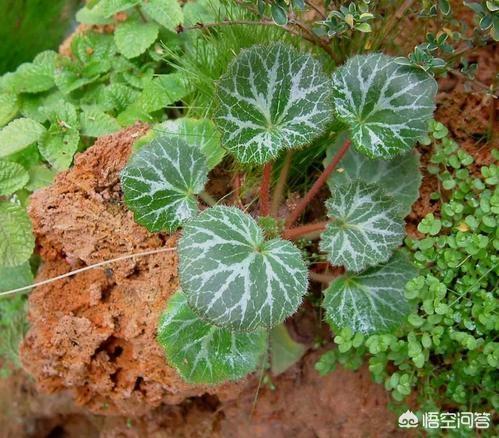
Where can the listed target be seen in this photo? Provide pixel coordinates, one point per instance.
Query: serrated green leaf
(200, 133)
(120, 96)
(58, 146)
(95, 123)
(372, 301)
(13, 177)
(33, 77)
(160, 183)
(201, 11)
(232, 277)
(134, 37)
(9, 107)
(284, 351)
(203, 353)
(16, 238)
(387, 106)
(366, 226)
(19, 134)
(271, 98)
(15, 277)
(111, 7)
(167, 13)
(399, 177)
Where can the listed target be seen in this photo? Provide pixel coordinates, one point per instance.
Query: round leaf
(387, 106)
(233, 277)
(16, 238)
(160, 183)
(399, 177)
(372, 301)
(204, 353)
(271, 98)
(13, 177)
(134, 37)
(366, 227)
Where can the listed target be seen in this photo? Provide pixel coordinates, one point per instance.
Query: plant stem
(281, 184)
(237, 188)
(320, 278)
(392, 21)
(265, 190)
(208, 199)
(295, 214)
(315, 8)
(304, 230)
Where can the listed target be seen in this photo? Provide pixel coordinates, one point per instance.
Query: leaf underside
(372, 301)
(160, 183)
(271, 98)
(399, 177)
(203, 353)
(367, 226)
(387, 106)
(233, 277)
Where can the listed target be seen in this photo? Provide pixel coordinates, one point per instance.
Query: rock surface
(94, 332)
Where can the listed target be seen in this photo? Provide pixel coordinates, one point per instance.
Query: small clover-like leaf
(160, 183)
(271, 98)
(387, 106)
(399, 177)
(233, 277)
(204, 353)
(372, 301)
(13, 177)
(366, 227)
(16, 238)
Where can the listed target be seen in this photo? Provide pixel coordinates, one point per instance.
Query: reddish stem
(265, 190)
(295, 214)
(237, 188)
(297, 232)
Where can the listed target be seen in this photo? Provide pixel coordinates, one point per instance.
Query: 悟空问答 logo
(408, 419)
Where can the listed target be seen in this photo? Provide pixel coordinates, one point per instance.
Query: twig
(295, 214)
(265, 190)
(86, 268)
(281, 184)
(399, 13)
(237, 189)
(305, 230)
(315, 8)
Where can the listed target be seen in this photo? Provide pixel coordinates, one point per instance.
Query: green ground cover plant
(260, 89)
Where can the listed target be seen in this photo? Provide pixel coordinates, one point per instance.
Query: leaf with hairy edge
(271, 98)
(160, 183)
(372, 301)
(13, 177)
(399, 177)
(366, 226)
(134, 37)
(204, 353)
(167, 13)
(387, 106)
(16, 238)
(19, 134)
(200, 133)
(233, 277)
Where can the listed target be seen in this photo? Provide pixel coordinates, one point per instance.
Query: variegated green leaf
(233, 277)
(160, 183)
(366, 226)
(271, 98)
(204, 353)
(200, 133)
(16, 238)
(387, 106)
(372, 301)
(399, 177)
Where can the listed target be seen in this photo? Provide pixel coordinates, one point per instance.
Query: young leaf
(134, 37)
(387, 106)
(271, 98)
(16, 238)
(9, 107)
(167, 13)
(366, 227)
(160, 183)
(203, 353)
(95, 123)
(284, 351)
(13, 177)
(200, 133)
(399, 177)
(233, 277)
(19, 134)
(372, 301)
